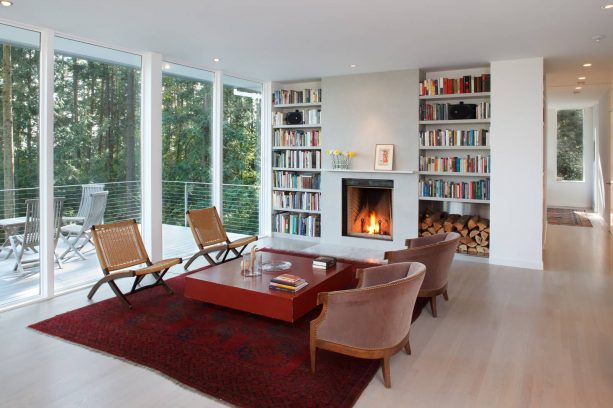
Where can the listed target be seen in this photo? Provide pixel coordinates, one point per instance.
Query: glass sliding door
(96, 149)
(187, 162)
(241, 155)
(19, 140)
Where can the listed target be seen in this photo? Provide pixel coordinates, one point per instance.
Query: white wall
(602, 194)
(358, 112)
(577, 194)
(517, 170)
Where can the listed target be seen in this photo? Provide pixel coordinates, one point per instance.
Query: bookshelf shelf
(475, 95)
(454, 148)
(296, 210)
(457, 200)
(288, 149)
(297, 126)
(451, 173)
(292, 169)
(297, 105)
(454, 122)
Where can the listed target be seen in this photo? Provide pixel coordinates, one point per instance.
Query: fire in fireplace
(367, 208)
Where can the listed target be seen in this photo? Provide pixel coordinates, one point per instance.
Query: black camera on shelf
(293, 118)
(463, 111)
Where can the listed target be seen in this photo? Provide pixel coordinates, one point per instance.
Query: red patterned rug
(243, 359)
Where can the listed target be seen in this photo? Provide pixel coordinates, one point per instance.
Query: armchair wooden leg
(313, 357)
(445, 296)
(433, 306)
(386, 372)
(407, 347)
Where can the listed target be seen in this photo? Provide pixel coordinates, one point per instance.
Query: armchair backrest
(206, 227)
(373, 317)
(119, 245)
(86, 198)
(437, 257)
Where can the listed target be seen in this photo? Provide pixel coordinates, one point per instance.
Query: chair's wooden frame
(123, 239)
(216, 240)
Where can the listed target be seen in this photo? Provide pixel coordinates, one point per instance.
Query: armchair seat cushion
(157, 266)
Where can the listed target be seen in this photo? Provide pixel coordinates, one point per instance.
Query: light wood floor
(507, 338)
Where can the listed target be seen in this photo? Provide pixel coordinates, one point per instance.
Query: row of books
(288, 179)
(454, 137)
(296, 138)
(452, 86)
(297, 159)
(295, 201)
(474, 190)
(287, 283)
(285, 97)
(476, 164)
(297, 224)
(309, 117)
(440, 111)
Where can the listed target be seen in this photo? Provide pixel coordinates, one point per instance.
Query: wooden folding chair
(119, 246)
(210, 236)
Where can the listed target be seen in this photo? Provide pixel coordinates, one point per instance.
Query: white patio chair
(86, 201)
(30, 239)
(77, 236)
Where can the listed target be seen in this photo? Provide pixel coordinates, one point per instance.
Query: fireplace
(367, 208)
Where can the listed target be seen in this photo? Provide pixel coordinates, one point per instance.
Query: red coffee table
(224, 285)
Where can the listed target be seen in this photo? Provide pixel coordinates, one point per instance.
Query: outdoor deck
(77, 272)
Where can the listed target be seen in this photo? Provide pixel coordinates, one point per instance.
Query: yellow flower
(329, 151)
(351, 154)
(337, 152)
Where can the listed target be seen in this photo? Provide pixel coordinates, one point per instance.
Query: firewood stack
(475, 230)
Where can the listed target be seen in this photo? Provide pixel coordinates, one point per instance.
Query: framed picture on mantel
(384, 157)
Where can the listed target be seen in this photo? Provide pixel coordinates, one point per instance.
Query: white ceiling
(297, 39)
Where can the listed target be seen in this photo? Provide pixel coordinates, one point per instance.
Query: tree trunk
(130, 128)
(7, 131)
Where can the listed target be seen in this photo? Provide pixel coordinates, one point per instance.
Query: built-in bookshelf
(454, 151)
(296, 160)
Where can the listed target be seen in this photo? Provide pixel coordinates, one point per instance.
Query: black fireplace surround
(367, 208)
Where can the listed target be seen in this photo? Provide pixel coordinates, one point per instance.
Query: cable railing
(240, 202)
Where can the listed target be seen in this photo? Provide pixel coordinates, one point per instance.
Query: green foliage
(570, 145)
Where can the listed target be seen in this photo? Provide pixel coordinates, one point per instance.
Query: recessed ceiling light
(352, 66)
(607, 7)
(216, 60)
(582, 78)
(598, 37)
(6, 3)
(167, 66)
(578, 88)
(587, 64)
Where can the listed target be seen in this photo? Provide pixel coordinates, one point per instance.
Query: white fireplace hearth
(404, 208)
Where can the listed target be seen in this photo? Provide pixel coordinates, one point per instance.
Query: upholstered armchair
(436, 252)
(373, 320)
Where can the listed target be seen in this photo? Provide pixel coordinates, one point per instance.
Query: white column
(151, 154)
(266, 161)
(46, 164)
(217, 148)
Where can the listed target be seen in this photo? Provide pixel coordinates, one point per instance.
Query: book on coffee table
(287, 283)
(324, 262)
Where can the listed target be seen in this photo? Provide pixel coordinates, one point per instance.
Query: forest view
(570, 145)
(97, 139)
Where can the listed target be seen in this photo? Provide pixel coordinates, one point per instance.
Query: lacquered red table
(224, 285)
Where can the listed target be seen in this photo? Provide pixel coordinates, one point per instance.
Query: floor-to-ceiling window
(187, 108)
(19, 134)
(96, 149)
(241, 155)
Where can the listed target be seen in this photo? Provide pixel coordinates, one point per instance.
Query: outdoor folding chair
(30, 239)
(210, 236)
(77, 236)
(119, 247)
(86, 200)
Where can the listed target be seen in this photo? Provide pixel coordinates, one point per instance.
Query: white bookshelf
(462, 206)
(281, 109)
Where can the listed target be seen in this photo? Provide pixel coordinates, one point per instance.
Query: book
(324, 262)
(288, 279)
(287, 288)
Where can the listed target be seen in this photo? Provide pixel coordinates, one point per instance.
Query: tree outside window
(570, 145)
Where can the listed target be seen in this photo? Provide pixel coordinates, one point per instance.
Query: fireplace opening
(367, 208)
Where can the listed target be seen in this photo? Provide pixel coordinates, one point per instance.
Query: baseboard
(517, 263)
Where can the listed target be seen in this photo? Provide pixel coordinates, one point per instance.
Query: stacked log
(474, 230)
